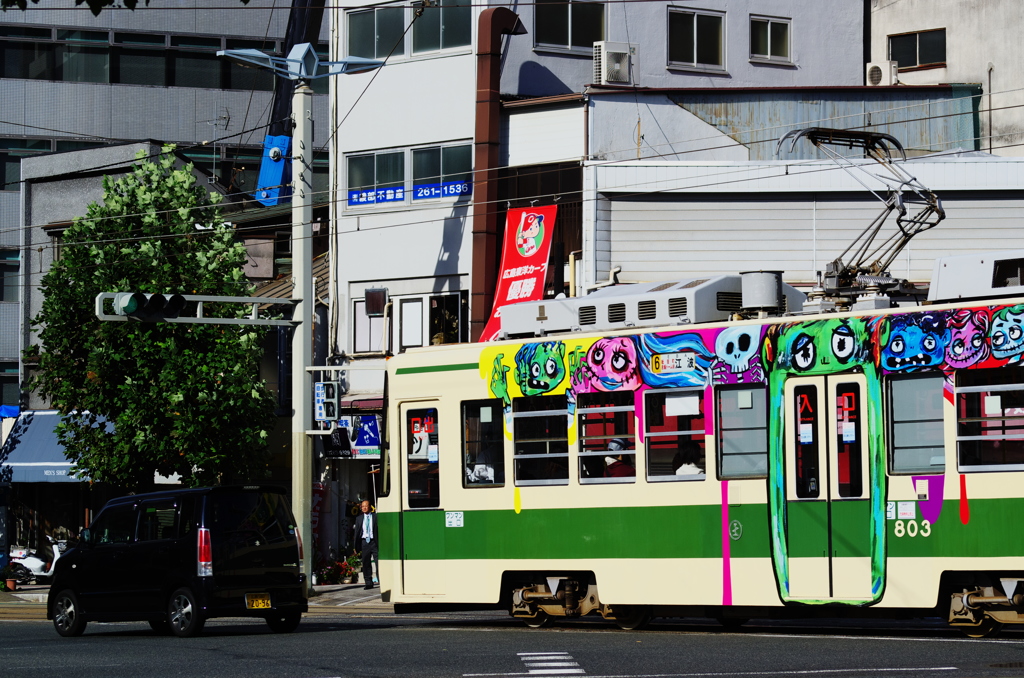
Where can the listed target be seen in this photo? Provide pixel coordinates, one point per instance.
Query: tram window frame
(904, 430)
(420, 467)
(979, 394)
(849, 440)
(670, 442)
(483, 437)
(529, 415)
(750, 432)
(604, 419)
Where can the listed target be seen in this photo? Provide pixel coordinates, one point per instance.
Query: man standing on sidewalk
(368, 537)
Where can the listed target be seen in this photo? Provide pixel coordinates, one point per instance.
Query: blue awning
(31, 453)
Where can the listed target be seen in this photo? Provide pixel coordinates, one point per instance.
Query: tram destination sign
(669, 363)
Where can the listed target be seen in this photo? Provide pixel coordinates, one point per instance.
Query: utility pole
(302, 296)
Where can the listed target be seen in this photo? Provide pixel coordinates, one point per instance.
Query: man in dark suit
(366, 528)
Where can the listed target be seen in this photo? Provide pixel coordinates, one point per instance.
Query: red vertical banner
(524, 260)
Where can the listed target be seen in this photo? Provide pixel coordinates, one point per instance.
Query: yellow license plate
(257, 601)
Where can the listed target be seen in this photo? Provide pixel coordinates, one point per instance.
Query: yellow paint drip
(517, 502)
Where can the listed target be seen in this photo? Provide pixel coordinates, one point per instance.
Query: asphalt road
(333, 643)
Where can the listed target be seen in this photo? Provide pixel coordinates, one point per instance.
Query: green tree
(183, 398)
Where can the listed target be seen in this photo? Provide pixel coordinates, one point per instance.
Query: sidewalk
(29, 602)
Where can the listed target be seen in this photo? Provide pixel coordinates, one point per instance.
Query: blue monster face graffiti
(1008, 333)
(916, 342)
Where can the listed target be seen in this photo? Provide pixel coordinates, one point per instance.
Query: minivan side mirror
(86, 537)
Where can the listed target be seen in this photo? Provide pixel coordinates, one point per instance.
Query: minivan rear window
(261, 514)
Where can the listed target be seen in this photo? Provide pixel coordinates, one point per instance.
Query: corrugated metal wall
(698, 235)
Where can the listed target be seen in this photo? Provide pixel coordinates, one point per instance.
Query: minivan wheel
(284, 622)
(66, 617)
(183, 614)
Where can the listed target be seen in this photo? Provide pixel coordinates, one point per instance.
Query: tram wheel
(542, 620)
(632, 617)
(986, 629)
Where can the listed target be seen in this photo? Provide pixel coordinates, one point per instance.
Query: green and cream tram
(862, 463)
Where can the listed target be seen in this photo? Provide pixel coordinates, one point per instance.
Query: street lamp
(301, 65)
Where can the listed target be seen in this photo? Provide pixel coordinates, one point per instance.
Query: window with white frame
(367, 332)
(376, 178)
(443, 25)
(696, 39)
(990, 419)
(442, 171)
(377, 33)
(568, 24)
(769, 39)
(410, 322)
(924, 49)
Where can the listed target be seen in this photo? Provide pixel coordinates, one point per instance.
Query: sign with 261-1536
(447, 189)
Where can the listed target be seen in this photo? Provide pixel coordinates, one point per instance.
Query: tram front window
(607, 426)
(541, 440)
(990, 419)
(674, 439)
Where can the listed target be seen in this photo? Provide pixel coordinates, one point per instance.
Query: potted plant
(8, 578)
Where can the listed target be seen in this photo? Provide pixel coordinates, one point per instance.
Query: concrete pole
(302, 294)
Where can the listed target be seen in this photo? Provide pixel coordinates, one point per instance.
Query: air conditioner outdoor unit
(613, 63)
(882, 73)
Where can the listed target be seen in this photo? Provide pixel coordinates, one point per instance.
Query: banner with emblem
(524, 260)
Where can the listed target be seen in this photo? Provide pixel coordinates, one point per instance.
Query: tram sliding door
(828, 525)
(422, 538)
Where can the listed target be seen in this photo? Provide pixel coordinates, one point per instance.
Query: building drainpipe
(493, 23)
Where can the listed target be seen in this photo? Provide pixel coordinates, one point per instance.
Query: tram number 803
(912, 528)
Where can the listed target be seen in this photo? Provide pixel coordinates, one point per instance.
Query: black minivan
(180, 557)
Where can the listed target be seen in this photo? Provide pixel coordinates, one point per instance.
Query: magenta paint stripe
(726, 540)
(709, 409)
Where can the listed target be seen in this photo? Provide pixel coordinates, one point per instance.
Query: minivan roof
(186, 491)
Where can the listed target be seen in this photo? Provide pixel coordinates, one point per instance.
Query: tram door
(422, 523)
(828, 526)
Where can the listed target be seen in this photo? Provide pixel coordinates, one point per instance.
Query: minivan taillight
(204, 553)
(298, 539)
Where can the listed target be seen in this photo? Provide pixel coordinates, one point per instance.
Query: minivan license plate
(256, 601)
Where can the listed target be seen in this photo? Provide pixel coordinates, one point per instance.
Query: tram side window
(421, 431)
(915, 408)
(742, 432)
(674, 440)
(483, 443)
(540, 437)
(607, 426)
(990, 419)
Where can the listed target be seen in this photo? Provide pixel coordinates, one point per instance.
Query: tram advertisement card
(524, 260)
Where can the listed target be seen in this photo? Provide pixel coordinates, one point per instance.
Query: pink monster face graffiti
(613, 365)
(967, 345)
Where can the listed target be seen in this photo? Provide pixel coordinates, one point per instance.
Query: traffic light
(326, 396)
(148, 307)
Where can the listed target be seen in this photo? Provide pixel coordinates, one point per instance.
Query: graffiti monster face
(540, 367)
(1008, 333)
(821, 346)
(967, 340)
(915, 342)
(737, 346)
(613, 364)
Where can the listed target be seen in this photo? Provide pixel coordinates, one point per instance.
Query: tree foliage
(95, 6)
(182, 398)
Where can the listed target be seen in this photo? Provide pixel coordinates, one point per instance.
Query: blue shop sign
(372, 197)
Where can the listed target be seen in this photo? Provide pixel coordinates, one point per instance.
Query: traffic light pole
(302, 295)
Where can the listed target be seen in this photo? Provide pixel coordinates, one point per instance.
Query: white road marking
(807, 672)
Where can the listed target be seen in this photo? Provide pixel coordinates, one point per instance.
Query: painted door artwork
(828, 494)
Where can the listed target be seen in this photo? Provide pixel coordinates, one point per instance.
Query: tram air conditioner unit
(623, 307)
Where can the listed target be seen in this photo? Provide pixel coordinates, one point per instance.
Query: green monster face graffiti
(821, 348)
(818, 347)
(540, 367)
